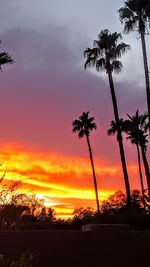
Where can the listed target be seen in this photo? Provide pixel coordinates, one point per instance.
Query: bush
(25, 260)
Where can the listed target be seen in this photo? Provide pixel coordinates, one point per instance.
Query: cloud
(70, 175)
(47, 88)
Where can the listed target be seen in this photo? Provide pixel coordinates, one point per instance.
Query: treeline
(19, 211)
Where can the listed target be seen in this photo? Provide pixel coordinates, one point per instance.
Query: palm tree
(136, 16)
(132, 136)
(83, 126)
(143, 144)
(104, 56)
(125, 126)
(136, 127)
(114, 128)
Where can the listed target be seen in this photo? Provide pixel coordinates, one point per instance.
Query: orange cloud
(64, 182)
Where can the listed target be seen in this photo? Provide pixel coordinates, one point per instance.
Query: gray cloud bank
(47, 86)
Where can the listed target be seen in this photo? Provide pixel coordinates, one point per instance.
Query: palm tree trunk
(146, 72)
(120, 141)
(140, 171)
(146, 167)
(94, 175)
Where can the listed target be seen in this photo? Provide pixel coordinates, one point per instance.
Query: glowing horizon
(65, 183)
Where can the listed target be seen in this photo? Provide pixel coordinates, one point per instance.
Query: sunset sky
(47, 88)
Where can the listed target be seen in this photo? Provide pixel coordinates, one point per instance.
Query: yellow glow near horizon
(57, 177)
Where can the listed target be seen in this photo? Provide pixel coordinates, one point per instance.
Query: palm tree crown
(136, 127)
(106, 51)
(135, 14)
(84, 125)
(114, 127)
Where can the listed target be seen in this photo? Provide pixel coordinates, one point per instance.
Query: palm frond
(92, 126)
(91, 61)
(125, 13)
(117, 66)
(111, 132)
(131, 118)
(143, 140)
(130, 25)
(113, 128)
(5, 58)
(115, 37)
(91, 52)
(144, 119)
(81, 134)
(121, 49)
(103, 34)
(101, 64)
(90, 120)
(127, 126)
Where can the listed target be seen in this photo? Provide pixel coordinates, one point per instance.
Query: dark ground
(107, 247)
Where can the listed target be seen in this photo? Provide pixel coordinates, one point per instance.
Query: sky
(47, 88)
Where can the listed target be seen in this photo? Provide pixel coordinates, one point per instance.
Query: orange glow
(65, 183)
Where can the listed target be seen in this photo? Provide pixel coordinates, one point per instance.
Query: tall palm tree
(136, 16)
(136, 127)
(125, 126)
(83, 126)
(143, 144)
(104, 56)
(132, 136)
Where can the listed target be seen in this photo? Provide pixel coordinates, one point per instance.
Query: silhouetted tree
(114, 202)
(143, 144)
(117, 202)
(136, 199)
(34, 203)
(83, 126)
(114, 128)
(132, 136)
(104, 56)
(22, 211)
(47, 214)
(128, 127)
(136, 16)
(136, 127)
(10, 216)
(83, 213)
(8, 190)
(83, 216)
